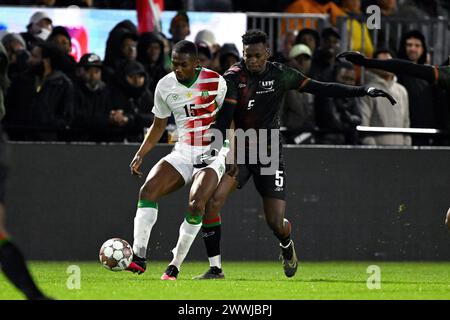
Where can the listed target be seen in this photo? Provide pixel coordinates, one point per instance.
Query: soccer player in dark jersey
(434, 74)
(255, 89)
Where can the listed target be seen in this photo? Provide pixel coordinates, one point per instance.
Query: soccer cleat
(212, 273)
(138, 265)
(289, 259)
(171, 273)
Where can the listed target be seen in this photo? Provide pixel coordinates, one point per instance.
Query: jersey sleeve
(232, 82)
(160, 109)
(294, 79)
(221, 91)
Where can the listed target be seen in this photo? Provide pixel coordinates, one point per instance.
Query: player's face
(255, 57)
(184, 66)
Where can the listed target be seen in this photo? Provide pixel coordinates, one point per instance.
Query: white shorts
(183, 157)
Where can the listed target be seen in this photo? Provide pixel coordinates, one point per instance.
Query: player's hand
(447, 219)
(374, 92)
(135, 165)
(354, 57)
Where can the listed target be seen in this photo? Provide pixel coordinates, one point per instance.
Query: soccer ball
(116, 254)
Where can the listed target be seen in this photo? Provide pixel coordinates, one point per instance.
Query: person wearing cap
(325, 56)
(204, 54)
(93, 104)
(228, 56)
(206, 36)
(39, 27)
(17, 53)
(131, 99)
(62, 39)
(297, 109)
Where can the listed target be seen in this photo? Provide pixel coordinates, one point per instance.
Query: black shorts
(268, 185)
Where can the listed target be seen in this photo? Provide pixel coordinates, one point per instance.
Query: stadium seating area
(54, 97)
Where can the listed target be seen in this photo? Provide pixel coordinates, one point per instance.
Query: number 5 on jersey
(279, 179)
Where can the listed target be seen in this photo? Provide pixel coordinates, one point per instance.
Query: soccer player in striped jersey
(194, 96)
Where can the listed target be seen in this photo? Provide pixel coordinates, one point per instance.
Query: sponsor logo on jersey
(278, 189)
(175, 97)
(266, 86)
(241, 85)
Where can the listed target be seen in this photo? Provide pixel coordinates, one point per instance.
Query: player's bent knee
(197, 207)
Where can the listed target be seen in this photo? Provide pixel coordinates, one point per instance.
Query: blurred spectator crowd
(51, 97)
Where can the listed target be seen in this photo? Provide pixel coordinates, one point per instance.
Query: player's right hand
(354, 57)
(135, 165)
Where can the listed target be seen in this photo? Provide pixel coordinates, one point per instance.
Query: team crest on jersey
(189, 94)
(205, 94)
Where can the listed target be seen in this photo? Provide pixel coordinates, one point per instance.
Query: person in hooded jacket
(121, 47)
(131, 102)
(422, 101)
(150, 53)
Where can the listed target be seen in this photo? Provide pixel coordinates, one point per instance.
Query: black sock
(15, 269)
(211, 237)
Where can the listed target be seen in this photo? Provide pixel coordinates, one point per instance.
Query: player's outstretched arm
(151, 139)
(338, 90)
(398, 66)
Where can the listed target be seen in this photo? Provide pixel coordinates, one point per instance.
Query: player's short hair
(254, 36)
(186, 47)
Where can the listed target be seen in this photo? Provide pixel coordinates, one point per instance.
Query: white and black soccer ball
(116, 254)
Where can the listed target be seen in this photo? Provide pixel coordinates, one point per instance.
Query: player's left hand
(134, 166)
(374, 92)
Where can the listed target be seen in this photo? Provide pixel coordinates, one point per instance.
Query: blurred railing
(278, 24)
(435, 30)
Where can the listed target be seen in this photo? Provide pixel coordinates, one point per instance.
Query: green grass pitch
(244, 280)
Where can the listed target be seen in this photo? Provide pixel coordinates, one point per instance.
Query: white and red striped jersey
(194, 106)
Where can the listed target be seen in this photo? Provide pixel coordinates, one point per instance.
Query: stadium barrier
(344, 202)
